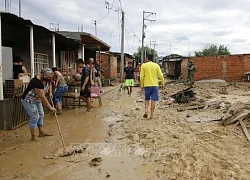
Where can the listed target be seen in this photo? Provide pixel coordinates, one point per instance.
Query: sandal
(145, 115)
(44, 134)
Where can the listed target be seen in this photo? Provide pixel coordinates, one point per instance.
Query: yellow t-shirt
(149, 74)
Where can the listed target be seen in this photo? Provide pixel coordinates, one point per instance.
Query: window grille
(41, 61)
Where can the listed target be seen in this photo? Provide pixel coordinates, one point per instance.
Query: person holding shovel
(33, 98)
(61, 87)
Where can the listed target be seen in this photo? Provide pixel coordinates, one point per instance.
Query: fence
(20, 115)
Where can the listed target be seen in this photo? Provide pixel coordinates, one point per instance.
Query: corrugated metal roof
(14, 20)
(88, 39)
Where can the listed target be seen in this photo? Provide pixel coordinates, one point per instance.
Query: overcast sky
(185, 24)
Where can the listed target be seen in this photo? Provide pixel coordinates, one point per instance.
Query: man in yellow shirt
(150, 72)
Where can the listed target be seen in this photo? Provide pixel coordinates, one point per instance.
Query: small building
(173, 66)
(39, 47)
(127, 58)
(92, 44)
(109, 64)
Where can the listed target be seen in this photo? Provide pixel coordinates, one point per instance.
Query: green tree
(148, 50)
(213, 50)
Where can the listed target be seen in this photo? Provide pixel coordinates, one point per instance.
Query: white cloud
(178, 22)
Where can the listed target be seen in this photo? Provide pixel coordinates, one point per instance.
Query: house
(38, 46)
(127, 58)
(91, 44)
(109, 64)
(172, 66)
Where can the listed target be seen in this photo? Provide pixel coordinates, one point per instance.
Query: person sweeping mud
(33, 98)
(149, 81)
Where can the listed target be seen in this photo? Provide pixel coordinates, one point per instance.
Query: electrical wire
(120, 4)
(107, 5)
(132, 31)
(126, 35)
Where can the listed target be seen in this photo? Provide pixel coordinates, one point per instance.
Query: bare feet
(145, 115)
(33, 138)
(43, 134)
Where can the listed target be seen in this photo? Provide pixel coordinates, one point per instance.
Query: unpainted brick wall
(113, 67)
(230, 68)
(105, 65)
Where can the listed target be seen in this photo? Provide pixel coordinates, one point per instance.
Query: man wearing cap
(33, 98)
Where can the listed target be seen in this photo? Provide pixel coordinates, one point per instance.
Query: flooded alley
(119, 144)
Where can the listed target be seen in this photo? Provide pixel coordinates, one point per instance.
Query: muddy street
(119, 144)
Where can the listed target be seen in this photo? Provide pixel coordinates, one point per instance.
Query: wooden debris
(244, 129)
(234, 119)
(184, 96)
(191, 108)
(236, 107)
(234, 113)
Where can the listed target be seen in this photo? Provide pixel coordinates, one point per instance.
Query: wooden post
(32, 62)
(1, 61)
(54, 49)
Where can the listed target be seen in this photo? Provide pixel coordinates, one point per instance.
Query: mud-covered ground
(176, 144)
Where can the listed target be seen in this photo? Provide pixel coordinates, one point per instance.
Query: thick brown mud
(119, 144)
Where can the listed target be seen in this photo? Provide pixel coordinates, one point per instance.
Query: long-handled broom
(58, 125)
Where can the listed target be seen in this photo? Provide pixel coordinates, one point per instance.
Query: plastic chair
(96, 92)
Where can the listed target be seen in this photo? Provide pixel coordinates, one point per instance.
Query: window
(41, 61)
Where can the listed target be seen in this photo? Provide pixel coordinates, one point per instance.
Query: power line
(107, 5)
(127, 39)
(120, 4)
(112, 33)
(132, 31)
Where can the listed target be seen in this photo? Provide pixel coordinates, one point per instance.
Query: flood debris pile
(236, 114)
(67, 151)
(184, 96)
(181, 97)
(95, 161)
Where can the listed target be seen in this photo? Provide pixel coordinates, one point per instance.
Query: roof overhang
(92, 42)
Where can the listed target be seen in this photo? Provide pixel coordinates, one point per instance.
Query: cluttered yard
(202, 136)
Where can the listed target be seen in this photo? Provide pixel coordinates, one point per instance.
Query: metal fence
(20, 115)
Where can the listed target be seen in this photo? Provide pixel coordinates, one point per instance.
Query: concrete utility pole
(19, 8)
(8, 6)
(122, 48)
(54, 26)
(146, 17)
(153, 43)
(94, 22)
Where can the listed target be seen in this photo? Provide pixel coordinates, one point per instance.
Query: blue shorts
(152, 93)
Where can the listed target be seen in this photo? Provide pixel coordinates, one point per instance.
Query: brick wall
(113, 67)
(109, 64)
(230, 68)
(105, 65)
